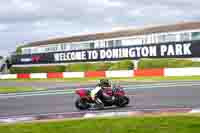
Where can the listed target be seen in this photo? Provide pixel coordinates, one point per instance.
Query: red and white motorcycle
(109, 96)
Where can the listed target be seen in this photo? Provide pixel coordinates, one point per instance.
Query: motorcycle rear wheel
(81, 104)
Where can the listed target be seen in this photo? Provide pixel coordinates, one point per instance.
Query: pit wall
(108, 74)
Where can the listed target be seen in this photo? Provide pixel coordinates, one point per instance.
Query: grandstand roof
(120, 33)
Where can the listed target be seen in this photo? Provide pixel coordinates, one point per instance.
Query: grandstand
(164, 41)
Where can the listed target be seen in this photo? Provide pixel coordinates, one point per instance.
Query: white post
(136, 64)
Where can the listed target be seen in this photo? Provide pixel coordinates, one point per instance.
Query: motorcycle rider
(103, 84)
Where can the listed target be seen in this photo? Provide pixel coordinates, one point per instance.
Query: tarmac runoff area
(153, 98)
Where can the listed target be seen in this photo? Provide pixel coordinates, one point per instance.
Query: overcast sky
(23, 21)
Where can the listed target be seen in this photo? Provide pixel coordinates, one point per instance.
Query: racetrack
(148, 96)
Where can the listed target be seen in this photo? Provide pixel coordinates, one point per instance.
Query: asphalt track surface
(44, 84)
(148, 96)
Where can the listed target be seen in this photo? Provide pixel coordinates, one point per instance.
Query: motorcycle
(109, 96)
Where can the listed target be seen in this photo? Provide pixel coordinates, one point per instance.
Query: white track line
(71, 91)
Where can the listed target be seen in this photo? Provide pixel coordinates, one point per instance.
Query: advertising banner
(186, 49)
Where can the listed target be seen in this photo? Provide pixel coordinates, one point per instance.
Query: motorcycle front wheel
(122, 101)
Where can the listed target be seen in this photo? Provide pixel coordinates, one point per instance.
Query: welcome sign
(164, 50)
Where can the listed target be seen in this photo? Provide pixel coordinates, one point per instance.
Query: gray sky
(23, 21)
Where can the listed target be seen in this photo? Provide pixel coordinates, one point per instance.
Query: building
(144, 41)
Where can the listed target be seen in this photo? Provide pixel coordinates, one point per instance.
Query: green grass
(18, 89)
(161, 124)
(134, 79)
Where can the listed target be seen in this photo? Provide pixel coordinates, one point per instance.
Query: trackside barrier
(73, 74)
(38, 75)
(93, 74)
(23, 76)
(181, 71)
(121, 73)
(8, 76)
(149, 72)
(55, 75)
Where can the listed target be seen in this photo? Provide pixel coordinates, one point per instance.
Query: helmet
(104, 82)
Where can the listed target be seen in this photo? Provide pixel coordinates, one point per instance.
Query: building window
(149, 39)
(132, 42)
(118, 43)
(110, 43)
(92, 45)
(83, 46)
(102, 44)
(185, 36)
(26, 51)
(170, 38)
(74, 46)
(195, 35)
(64, 47)
(161, 38)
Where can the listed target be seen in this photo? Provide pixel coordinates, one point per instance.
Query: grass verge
(18, 89)
(160, 124)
